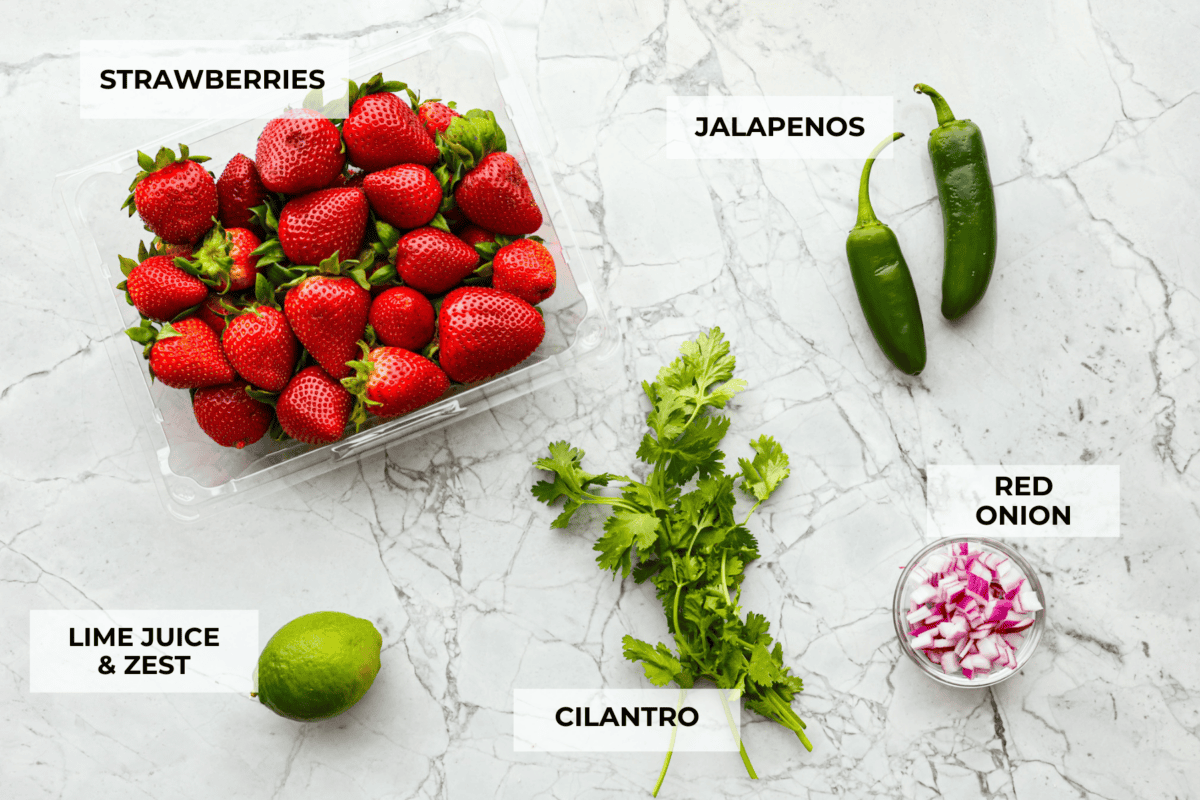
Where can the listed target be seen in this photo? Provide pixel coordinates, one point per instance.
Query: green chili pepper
(964, 185)
(884, 285)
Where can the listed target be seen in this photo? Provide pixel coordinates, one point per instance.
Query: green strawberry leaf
(440, 223)
(264, 291)
(270, 398)
(145, 333)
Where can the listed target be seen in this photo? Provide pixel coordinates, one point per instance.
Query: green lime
(318, 665)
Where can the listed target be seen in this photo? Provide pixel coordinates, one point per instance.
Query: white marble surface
(1085, 351)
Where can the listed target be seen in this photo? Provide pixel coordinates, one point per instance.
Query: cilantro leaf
(570, 481)
(768, 469)
(660, 663)
(625, 531)
(763, 668)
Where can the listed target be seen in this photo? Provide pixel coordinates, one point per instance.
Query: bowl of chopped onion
(969, 611)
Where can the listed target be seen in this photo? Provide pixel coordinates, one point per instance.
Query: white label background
(957, 492)
(56, 666)
(202, 103)
(683, 143)
(535, 728)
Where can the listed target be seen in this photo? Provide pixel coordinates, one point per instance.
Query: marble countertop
(1084, 352)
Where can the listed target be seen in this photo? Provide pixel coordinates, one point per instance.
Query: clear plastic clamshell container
(465, 60)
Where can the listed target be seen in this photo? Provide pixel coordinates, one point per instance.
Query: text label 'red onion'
(1006, 501)
(185, 79)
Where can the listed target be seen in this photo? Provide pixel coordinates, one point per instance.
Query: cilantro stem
(741, 747)
(786, 717)
(751, 512)
(662, 774)
(670, 746)
(678, 634)
(724, 584)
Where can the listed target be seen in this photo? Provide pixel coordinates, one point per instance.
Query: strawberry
(175, 197)
(239, 190)
(158, 289)
(473, 235)
(402, 317)
(314, 227)
(383, 130)
(313, 407)
(406, 195)
(229, 416)
(329, 315)
(215, 313)
(391, 381)
(160, 248)
(187, 355)
(435, 116)
(524, 268)
(225, 259)
(260, 345)
(432, 261)
(298, 152)
(483, 331)
(495, 195)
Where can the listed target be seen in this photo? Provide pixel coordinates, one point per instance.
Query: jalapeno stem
(866, 214)
(944, 114)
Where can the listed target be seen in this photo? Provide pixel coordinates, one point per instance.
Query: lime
(318, 665)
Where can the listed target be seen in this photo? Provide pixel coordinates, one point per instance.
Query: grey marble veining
(1084, 351)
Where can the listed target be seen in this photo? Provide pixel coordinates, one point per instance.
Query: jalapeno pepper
(882, 280)
(964, 184)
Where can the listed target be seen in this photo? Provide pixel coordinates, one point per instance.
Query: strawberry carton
(310, 288)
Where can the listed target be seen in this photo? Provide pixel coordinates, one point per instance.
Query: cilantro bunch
(689, 544)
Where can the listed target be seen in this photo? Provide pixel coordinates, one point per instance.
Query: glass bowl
(900, 609)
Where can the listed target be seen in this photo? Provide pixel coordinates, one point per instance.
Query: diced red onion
(967, 610)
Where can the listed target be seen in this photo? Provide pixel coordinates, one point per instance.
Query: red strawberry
(526, 269)
(244, 269)
(383, 131)
(407, 195)
(159, 289)
(432, 261)
(214, 313)
(160, 248)
(314, 227)
(239, 190)
(482, 332)
(473, 235)
(229, 416)
(225, 258)
(392, 381)
(298, 152)
(329, 315)
(496, 196)
(435, 116)
(402, 317)
(261, 347)
(187, 355)
(175, 197)
(314, 408)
